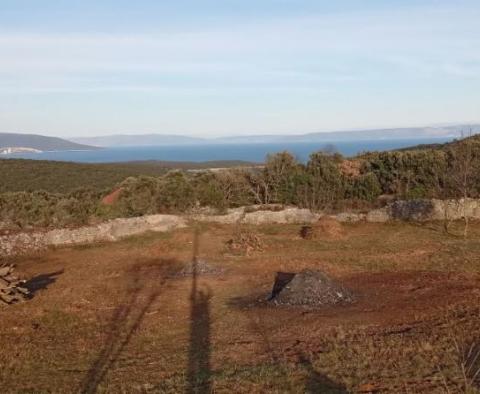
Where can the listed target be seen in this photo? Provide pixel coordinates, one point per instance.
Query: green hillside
(63, 177)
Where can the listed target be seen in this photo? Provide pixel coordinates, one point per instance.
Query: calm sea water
(205, 152)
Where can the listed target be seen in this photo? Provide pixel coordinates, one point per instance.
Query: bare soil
(116, 318)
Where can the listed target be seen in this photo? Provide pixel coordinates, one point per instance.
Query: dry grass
(112, 318)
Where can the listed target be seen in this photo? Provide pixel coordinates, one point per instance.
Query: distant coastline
(250, 152)
(17, 149)
(11, 150)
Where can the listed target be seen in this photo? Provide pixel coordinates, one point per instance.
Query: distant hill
(334, 136)
(138, 140)
(39, 142)
(360, 135)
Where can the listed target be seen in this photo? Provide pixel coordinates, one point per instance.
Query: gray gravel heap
(309, 288)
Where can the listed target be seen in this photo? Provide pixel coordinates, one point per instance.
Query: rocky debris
(11, 290)
(244, 243)
(308, 288)
(199, 267)
(378, 216)
(21, 243)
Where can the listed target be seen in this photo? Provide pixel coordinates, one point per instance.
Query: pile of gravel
(308, 288)
(200, 267)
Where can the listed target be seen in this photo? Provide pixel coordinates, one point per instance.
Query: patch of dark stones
(308, 288)
(199, 267)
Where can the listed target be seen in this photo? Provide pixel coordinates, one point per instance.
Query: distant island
(33, 143)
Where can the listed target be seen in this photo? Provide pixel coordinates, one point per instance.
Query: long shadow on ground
(144, 287)
(42, 281)
(199, 369)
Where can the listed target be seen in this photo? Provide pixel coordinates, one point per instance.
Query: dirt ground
(116, 317)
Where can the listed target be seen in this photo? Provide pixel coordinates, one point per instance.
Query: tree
(279, 177)
(322, 183)
(462, 176)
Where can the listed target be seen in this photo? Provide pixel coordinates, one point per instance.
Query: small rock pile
(11, 290)
(308, 288)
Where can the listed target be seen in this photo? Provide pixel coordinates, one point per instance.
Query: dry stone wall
(109, 231)
(415, 210)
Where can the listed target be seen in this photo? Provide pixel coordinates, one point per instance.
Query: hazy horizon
(224, 68)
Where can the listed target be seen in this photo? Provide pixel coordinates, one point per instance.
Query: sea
(232, 151)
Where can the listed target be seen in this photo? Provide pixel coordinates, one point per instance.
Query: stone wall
(426, 210)
(109, 231)
(414, 210)
(289, 215)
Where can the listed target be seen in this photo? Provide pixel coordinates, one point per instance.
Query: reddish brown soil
(113, 317)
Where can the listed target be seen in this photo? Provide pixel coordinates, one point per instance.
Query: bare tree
(462, 176)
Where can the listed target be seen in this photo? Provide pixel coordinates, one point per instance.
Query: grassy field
(115, 318)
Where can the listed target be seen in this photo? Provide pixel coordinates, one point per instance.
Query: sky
(235, 67)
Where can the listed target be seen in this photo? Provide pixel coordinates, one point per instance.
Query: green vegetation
(19, 175)
(71, 194)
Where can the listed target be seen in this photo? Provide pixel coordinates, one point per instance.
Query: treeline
(326, 182)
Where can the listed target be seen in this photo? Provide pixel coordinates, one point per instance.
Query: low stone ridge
(414, 210)
(308, 288)
(112, 230)
(290, 215)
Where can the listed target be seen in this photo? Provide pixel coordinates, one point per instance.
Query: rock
(378, 216)
(287, 216)
(262, 216)
(232, 216)
(114, 230)
(349, 217)
(416, 210)
(11, 290)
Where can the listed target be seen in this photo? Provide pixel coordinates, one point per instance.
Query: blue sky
(80, 68)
